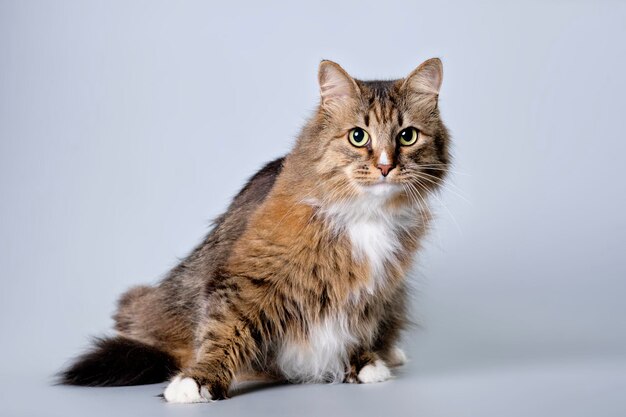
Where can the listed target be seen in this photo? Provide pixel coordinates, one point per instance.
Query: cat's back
(210, 255)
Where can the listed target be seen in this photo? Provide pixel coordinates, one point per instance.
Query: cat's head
(382, 138)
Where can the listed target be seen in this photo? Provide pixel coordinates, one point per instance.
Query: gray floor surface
(574, 387)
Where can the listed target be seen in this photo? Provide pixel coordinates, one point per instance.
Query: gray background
(126, 126)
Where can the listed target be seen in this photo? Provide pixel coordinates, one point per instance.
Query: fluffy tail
(119, 361)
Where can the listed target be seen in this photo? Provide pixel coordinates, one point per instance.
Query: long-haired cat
(304, 277)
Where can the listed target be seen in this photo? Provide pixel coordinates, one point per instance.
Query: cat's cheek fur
(185, 390)
(374, 372)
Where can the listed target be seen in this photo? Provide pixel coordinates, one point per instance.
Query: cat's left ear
(336, 86)
(425, 79)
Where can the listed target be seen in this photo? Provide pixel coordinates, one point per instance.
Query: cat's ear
(426, 79)
(336, 86)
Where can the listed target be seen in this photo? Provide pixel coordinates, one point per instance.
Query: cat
(303, 278)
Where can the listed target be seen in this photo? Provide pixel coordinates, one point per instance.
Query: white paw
(186, 390)
(376, 372)
(397, 357)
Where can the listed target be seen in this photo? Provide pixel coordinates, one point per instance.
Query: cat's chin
(382, 188)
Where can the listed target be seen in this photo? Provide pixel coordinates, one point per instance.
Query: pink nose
(384, 169)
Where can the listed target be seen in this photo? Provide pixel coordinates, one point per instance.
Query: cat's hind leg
(394, 357)
(150, 316)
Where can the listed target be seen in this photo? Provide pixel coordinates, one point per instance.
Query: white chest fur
(375, 241)
(373, 229)
(323, 357)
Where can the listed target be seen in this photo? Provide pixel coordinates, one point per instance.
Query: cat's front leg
(366, 367)
(226, 348)
(184, 389)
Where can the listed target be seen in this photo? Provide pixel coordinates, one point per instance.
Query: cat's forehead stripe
(381, 104)
(382, 108)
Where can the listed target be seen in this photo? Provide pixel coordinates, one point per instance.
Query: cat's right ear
(426, 79)
(423, 84)
(336, 86)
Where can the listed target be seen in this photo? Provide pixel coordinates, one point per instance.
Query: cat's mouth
(382, 181)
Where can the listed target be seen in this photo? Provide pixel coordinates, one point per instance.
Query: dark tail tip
(119, 361)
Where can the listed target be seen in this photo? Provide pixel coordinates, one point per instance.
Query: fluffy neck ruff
(375, 221)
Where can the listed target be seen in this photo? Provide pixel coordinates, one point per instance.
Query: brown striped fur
(279, 262)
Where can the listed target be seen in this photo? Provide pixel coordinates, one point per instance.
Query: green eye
(358, 137)
(408, 136)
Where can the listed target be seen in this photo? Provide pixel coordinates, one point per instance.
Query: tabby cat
(303, 279)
